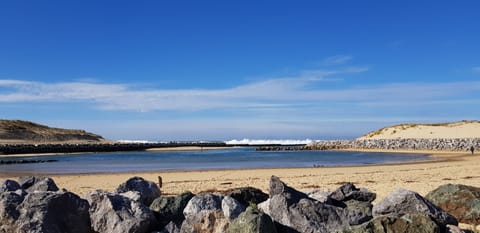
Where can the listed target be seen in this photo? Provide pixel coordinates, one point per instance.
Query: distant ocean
(233, 158)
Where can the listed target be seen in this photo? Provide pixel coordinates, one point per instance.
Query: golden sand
(421, 177)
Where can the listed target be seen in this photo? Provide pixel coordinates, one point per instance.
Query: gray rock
(45, 212)
(203, 213)
(171, 227)
(297, 212)
(252, 221)
(461, 201)
(111, 212)
(148, 190)
(319, 195)
(9, 213)
(402, 202)
(9, 185)
(348, 191)
(203, 202)
(32, 183)
(264, 206)
(358, 212)
(169, 209)
(409, 223)
(211, 221)
(231, 208)
(455, 229)
(248, 195)
(132, 195)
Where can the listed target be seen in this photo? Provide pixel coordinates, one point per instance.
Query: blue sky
(219, 70)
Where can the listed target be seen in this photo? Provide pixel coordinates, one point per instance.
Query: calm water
(197, 160)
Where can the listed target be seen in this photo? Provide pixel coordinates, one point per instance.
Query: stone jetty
(96, 147)
(36, 204)
(438, 144)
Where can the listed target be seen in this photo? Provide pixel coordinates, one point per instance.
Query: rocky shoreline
(96, 147)
(36, 204)
(445, 144)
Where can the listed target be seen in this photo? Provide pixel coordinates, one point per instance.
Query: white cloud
(337, 60)
(272, 94)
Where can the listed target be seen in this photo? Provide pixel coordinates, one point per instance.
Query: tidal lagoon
(231, 158)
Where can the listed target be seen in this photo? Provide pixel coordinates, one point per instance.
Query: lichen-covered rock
(231, 208)
(207, 221)
(248, 195)
(252, 221)
(32, 183)
(169, 209)
(148, 190)
(204, 213)
(402, 202)
(8, 186)
(409, 223)
(111, 212)
(296, 211)
(358, 212)
(461, 201)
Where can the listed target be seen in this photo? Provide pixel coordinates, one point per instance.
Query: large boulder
(9, 185)
(204, 213)
(231, 208)
(409, 223)
(44, 212)
(111, 212)
(148, 190)
(357, 202)
(248, 195)
(402, 202)
(461, 201)
(319, 195)
(9, 214)
(209, 221)
(252, 221)
(42, 184)
(358, 212)
(203, 202)
(295, 211)
(169, 209)
(348, 191)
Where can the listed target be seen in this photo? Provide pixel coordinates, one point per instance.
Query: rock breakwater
(96, 147)
(284, 209)
(450, 144)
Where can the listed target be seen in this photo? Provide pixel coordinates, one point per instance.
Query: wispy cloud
(128, 98)
(336, 60)
(306, 90)
(476, 69)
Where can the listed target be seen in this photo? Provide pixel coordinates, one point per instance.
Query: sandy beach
(421, 177)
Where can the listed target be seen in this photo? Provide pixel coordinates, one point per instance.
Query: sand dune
(462, 129)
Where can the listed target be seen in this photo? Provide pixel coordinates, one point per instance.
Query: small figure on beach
(472, 149)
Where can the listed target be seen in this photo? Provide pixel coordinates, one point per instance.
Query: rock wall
(95, 147)
(36, 204)
(455, 144)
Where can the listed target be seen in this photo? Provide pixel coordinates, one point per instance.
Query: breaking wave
(246, 141)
